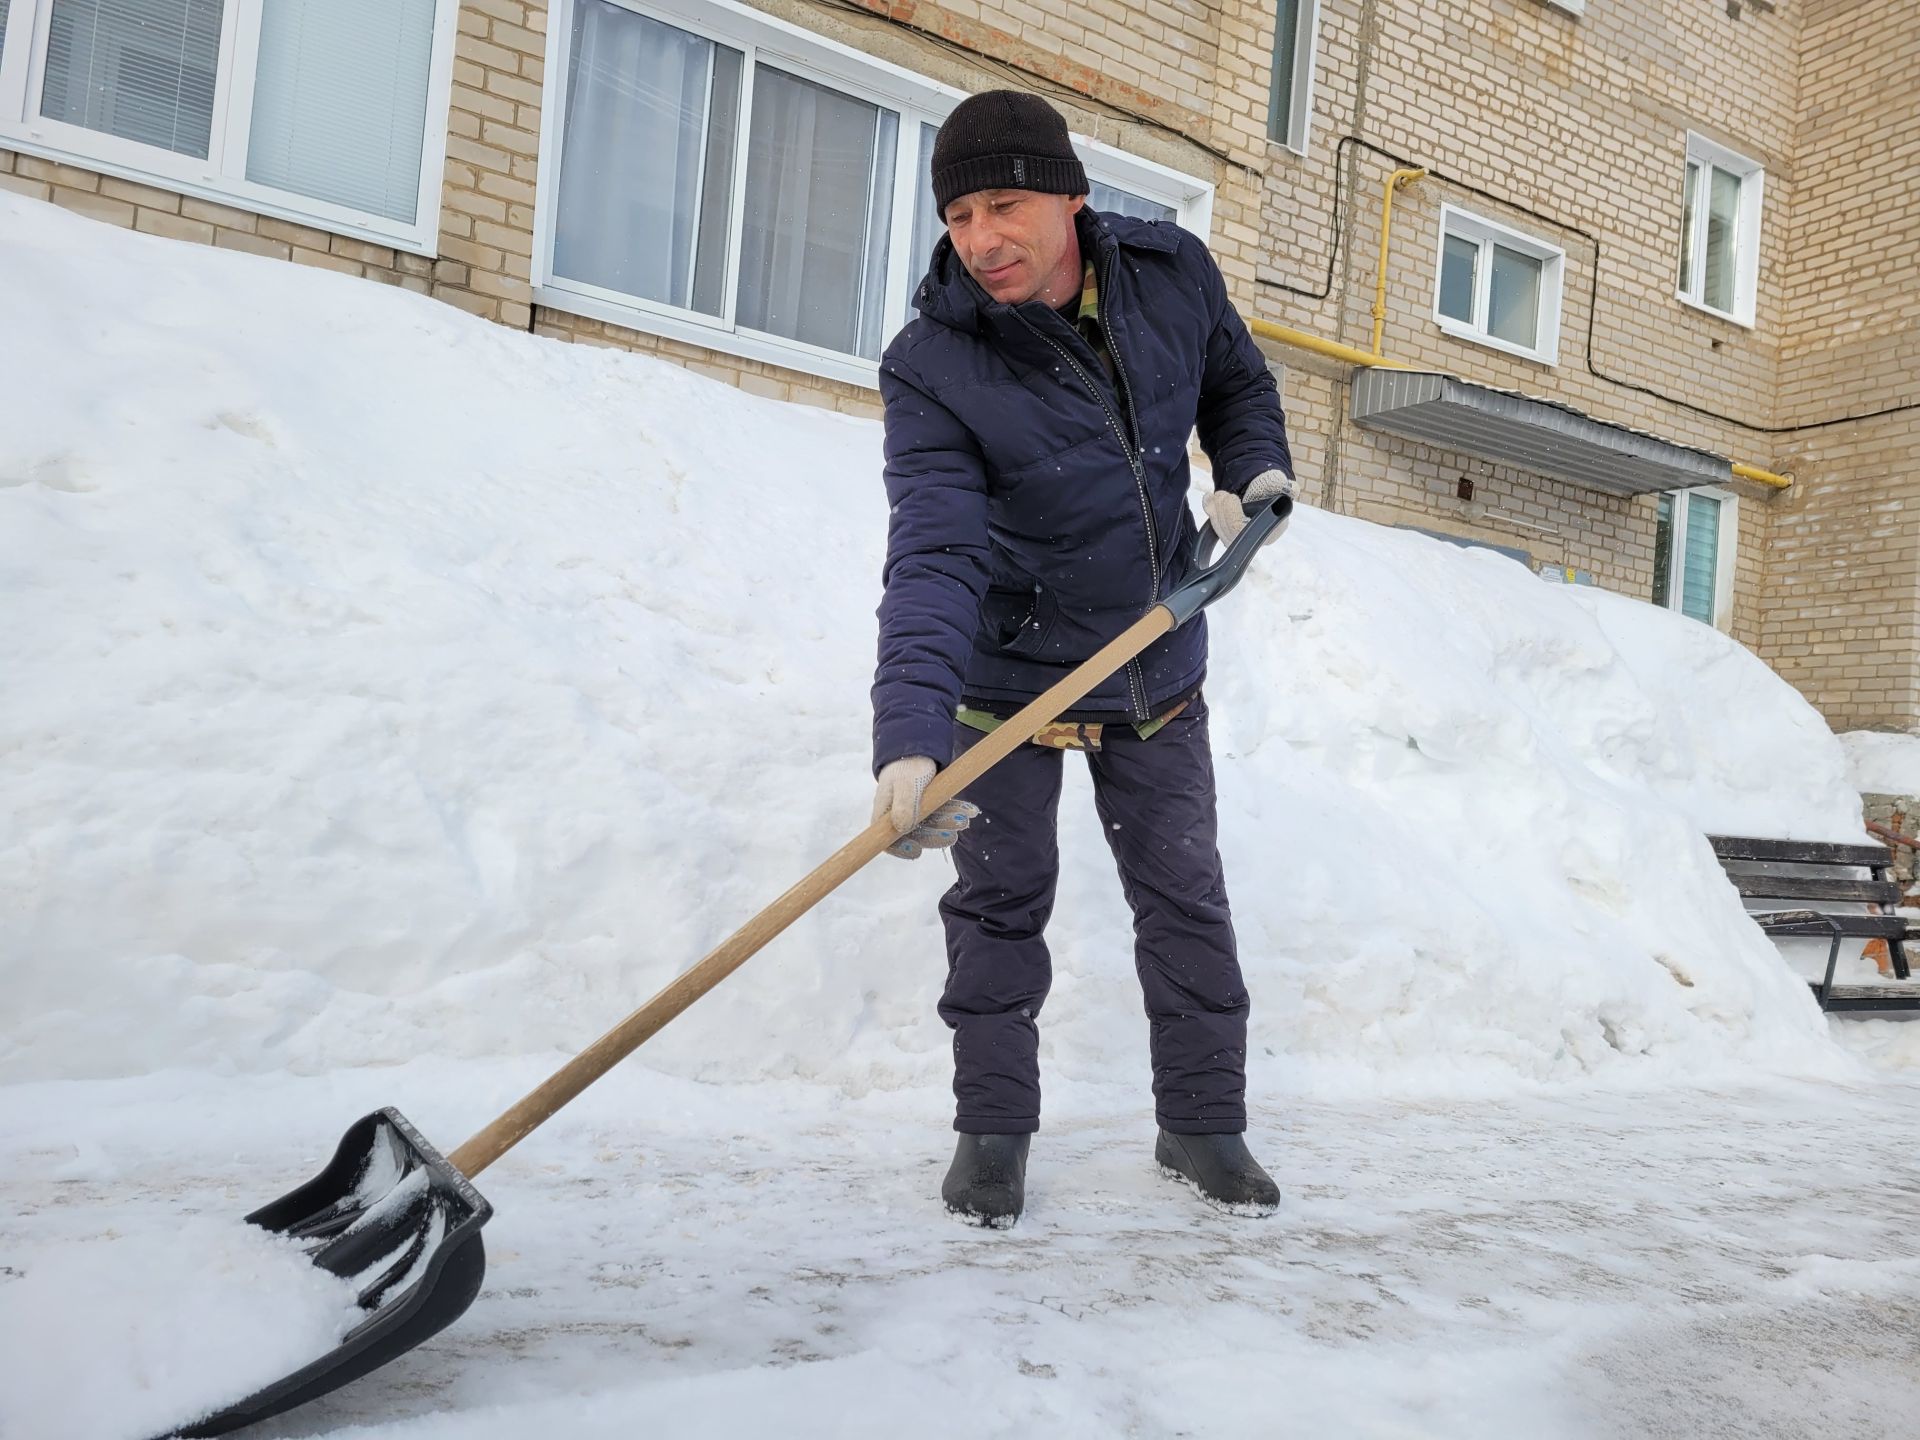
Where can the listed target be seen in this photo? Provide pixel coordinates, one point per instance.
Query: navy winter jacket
(1038, 508)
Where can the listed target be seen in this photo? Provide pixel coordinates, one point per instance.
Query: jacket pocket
(1017, 622)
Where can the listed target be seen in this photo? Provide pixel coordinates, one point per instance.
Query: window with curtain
(819, 199)
(717, 180)
(1497, 286)
(340, 101)
(1719, 229)
(144, 70)
(646, 178)
(318, 109)
(3, 28)
(1692, 555)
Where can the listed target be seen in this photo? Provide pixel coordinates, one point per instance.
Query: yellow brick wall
(178, 217)
(493, 145)
(1842, 589)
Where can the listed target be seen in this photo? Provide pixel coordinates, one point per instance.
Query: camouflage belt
(1066, 734)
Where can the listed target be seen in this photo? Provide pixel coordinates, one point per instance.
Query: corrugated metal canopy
(1543, 436)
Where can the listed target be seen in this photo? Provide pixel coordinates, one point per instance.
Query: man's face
(1014, 242)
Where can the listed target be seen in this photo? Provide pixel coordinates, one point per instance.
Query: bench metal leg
(1896, 949)
(1833, 962)
(1775, 922)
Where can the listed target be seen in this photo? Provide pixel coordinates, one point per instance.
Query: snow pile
(125, 1335)
(1883, 764)
(382, 682)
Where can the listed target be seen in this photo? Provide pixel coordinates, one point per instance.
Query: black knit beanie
(1004, 140)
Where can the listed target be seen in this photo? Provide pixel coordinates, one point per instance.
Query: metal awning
(1543, 436)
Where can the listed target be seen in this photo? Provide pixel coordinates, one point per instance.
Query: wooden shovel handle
(540, 1104)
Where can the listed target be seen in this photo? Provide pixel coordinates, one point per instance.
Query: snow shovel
(402, 1221)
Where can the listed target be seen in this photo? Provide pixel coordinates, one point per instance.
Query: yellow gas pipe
(1350, 355)
(1403, 176)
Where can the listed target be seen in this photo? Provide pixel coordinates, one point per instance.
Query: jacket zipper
(1136, 682)
(1135, 675)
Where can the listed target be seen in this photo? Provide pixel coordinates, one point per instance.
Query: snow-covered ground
(674, 1258)
(382, 684)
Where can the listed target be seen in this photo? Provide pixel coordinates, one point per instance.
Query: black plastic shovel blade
(393, 1216)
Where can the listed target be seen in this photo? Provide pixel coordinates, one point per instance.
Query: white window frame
(1572, 7)
(222, 176)
(1725, 552)
(1485, 233)
(1299, 122)
(916, 99)
(1746, 257)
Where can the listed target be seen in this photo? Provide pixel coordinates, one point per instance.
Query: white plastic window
(330, 112)
(1296, 24)
(730, 179)
(1693, 563)
(1498, 287)
(1720, 230)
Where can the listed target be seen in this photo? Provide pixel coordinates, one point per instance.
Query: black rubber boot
(987, 1183)
(1221, 1169)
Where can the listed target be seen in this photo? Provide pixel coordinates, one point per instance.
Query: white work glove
(902, 783)
(1228, 511)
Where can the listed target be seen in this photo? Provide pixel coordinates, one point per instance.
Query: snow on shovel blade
(392, 1216)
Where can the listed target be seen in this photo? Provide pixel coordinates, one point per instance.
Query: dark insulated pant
(1156, 804)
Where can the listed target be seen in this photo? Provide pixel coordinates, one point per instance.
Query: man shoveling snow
(1037, 416)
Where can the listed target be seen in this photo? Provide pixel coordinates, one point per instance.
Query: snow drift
(378, 681)
(1882, 764)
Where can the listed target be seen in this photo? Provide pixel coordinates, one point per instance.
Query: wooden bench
(1819, 876)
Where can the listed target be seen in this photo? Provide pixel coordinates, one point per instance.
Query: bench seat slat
(1812, 852)
(1816, 887)
(1891, 998)
(1856, 927)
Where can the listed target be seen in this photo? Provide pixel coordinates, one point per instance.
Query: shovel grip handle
(1207, 583)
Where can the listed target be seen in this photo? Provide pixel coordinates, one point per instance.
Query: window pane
(328, 124)
(646, 168)
(1115, 201)
(1286, 34)
(716, 181)
(1723, 230)
(1663, 553)
(1513, 307)
(1457, 262)
(873, 298)
(1689, 226)
(1701, 562)
(813, 253)
(139, 69)
(926, 223)
(3, 27)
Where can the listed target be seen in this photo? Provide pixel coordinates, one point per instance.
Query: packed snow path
(677, 1259)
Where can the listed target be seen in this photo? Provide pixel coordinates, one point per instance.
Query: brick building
(1635, 245)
